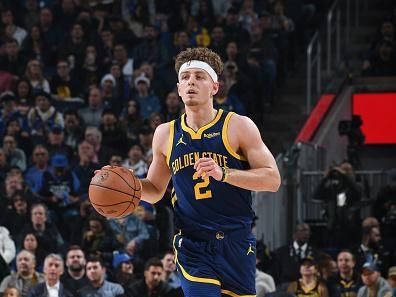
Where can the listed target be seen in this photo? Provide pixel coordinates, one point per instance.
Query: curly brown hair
(202, 54)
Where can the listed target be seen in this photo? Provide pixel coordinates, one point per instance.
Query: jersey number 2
(200, 188)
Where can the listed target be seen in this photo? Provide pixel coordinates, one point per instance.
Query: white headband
(200, 65)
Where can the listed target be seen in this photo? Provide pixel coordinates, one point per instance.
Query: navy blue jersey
(202, 203)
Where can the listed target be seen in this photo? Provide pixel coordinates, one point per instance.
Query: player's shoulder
(161, 136)
(241, 123)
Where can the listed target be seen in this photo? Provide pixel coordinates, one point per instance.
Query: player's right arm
(158, 176)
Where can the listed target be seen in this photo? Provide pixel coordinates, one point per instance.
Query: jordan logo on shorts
(250, 250)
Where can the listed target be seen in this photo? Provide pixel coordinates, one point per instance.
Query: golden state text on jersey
(202, 203)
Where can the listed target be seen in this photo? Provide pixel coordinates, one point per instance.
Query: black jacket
(41, 291)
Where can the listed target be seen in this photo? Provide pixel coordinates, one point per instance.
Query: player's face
(196, 87)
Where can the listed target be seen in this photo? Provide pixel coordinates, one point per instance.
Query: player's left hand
(208, 167)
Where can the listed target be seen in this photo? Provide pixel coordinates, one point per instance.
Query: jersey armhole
(224, 136)
(170, 141)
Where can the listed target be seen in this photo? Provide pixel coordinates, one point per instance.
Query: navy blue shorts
(215, 264)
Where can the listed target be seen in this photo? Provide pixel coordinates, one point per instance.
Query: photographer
(341, 193)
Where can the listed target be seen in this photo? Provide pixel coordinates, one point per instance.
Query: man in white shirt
(52, 287)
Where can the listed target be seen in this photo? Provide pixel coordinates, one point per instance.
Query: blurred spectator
(116, 160)
(228, 102)
(131, 232)
(327, 266)
(31, 244)
(99, 240)
(35, 75)
(74, 128)
(205, 14)
(371, 247)
(146, 98)
(247, 15)
(383, 60)
(152, 282)
(146, 139)
(31, 11)
(341, 192)
(392, 278)
(92, 114)
(94, 137)
(108, 85)
(66, 14)
(265, 283)
(10, 112)
(15, 156)
(217, 41)
(64, 85)
(347, 281)
(13, 61)
(131, 120)
(56, 143)
(14, 128)
(280, 20)
(4, 167)
(35, 46)
(42, 117)
(34, 174)
(172, 108)
(86, 166)
(99, 286)
(53, 269)
(60, 192)
(23, 93)
(135, 161)
(122, 32)
(374, 283)
(11, 292)
(25, 277)
(151, 50)
(52, 34)
(91, 67)
(233, 30)
(113, 134)
(181, 43)
(123, 269)
(160, 83)
(74, 277)
(127, 64)
(12, 30)
(16, 217)
(155, 120)
(122, 84)
(48, 236)
(170, 274)
(287, 258)
(12, 184)
(7, 251)
(309, 284)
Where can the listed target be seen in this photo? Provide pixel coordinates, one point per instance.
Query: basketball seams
(115, 172)
(119, 191)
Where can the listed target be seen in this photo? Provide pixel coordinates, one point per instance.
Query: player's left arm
(245, 139)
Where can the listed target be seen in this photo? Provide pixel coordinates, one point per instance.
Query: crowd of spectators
(84, 84)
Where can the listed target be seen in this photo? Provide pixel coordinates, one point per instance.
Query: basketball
(114, 192)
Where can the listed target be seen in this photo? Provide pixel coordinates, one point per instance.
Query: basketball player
(215, 158)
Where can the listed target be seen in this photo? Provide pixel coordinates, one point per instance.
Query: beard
(76, 267)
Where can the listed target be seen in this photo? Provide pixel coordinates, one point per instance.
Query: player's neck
(197, 118)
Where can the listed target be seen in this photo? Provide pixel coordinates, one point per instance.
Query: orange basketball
(114, 192)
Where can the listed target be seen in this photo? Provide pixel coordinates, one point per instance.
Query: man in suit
(53, 269)
(287, 258)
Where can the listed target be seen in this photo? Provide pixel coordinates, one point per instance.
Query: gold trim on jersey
(198, 134)
(173, 197)
(170, 143)
(190, 277)
(224, 136)
(230, 293)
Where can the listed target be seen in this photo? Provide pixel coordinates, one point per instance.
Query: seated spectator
(53, 269)
(123, 269)
(13, 62)
(162, 84)
(14, 182)
(48, 236)
(15, 128)
(15, 156)
(170, 274)
(347, 281)
(74, 128)
(13, 31)
(34, 174)
(327, 266)
(265, 283)
(383, 61)
(108, 86)
(172, 108)
(146, 98)
(35, 46)
(18, 216)
(91, 68)
(120, 55)
(113, 134)
(131, 120)
(155, 120)
(99, 286)
(287, 258)
(116, 160)
(92, 114)
(75, 277)
(145, 136)
(31, 244)
(7, 251)
(25, 277)
(373, 283)
(228, 102)
(34, 74)
(94, 137)
(98, 240)
(11, 292)
(10, 112)
(309, 284)
(122, 85)
(392, 279)
(135, 161)
(42, 117)
(23, 93)
(4, 167)
(152, 282)
(56, 143)
(60, 191)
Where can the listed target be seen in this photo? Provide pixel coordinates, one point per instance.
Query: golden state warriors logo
(100, 177)
(180, 141)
